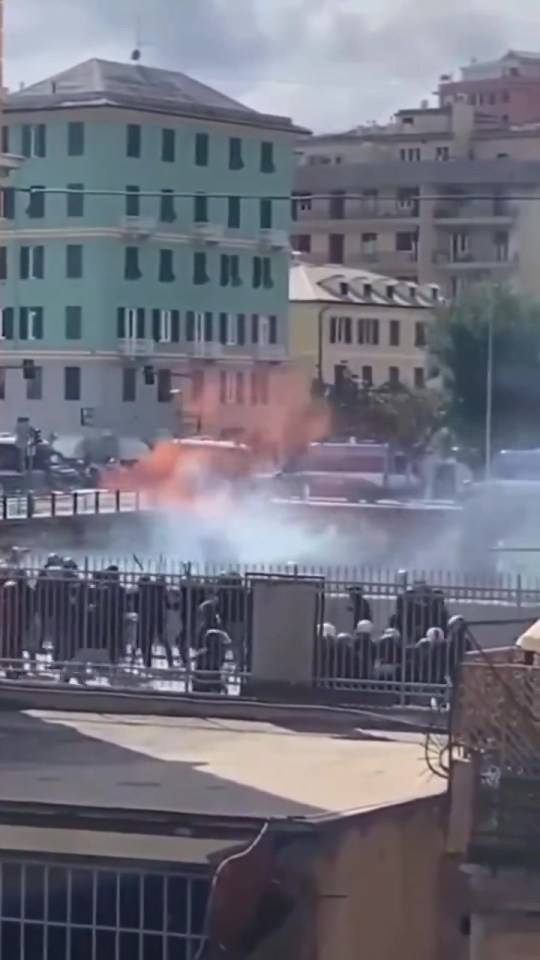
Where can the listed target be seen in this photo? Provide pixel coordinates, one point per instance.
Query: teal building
(145, 254)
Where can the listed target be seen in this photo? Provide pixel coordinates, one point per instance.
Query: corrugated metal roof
(325, 284)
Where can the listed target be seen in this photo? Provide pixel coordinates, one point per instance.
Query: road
(94, 502)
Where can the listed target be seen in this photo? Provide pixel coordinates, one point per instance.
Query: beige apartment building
(376, 325)
(441, 195)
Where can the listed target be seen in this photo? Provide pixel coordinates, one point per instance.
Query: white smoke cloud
(327, 63)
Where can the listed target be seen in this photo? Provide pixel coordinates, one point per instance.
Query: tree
(459, 343)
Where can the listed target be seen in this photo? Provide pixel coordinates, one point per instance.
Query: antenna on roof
(136, 53)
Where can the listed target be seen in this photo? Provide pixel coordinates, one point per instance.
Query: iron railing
(496, 726)
(188, 628)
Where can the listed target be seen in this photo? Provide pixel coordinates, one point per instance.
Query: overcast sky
(329, 64)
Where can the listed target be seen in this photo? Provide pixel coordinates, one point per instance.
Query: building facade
(146, 252)
(508, 88)
(441, 195)
(377, 326)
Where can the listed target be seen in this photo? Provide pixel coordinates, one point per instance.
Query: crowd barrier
(202, 630)
(74, 503)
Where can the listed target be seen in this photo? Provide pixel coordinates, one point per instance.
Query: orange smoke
(272, 432)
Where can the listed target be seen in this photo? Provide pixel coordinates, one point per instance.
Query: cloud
(327, 63)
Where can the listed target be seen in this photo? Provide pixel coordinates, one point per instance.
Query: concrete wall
(389, 892)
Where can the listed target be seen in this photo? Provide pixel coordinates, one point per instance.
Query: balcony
(201, 350)
(474, 261)
(269, 352)
(274, 239)
(134, 348)
(475, 213)
(209, 233)
(359, 215)
(138, 227)
(496, 728)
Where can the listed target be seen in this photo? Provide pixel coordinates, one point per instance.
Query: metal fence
(194, 629)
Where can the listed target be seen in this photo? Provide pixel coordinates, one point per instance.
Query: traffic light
(28, 369)
(149, 376)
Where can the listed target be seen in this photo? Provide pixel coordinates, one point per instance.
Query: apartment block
(507, 88)
(145, 252)
(375, 325)
(442, 195)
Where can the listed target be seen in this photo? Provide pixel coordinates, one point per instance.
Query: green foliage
(459, 343)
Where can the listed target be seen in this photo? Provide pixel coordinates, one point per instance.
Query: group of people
(107, 616)
(422, 643)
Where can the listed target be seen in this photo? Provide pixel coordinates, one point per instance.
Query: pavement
(207, 766)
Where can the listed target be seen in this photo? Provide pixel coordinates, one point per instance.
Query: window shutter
(175, 326)
(121, 323)
(223, 324)
(24, 263)
(39, 262)
(23, 323)
(26, 141)
(190, 326)
(156, 325)
(272, 329)
(241, 329)
(255, 328)
(208, 327)
(7, 315)
(37, 322)
(140, 323)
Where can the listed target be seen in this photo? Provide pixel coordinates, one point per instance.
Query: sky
(329, 64)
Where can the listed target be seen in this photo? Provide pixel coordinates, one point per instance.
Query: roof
(204, 766)
(334, 283)
(355, 177)
(107, 83)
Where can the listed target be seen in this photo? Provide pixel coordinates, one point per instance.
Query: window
(505, 96)
(235, 154)
(7, 325)
(442, 153)
(3, 263)
(406, 242)
(336, 205)
(130, 323)
(231, 387)
(75, 200)
(393, 376)
(34, 140)
(420, 334)
(229, 271)
(34, 387)
(259, 387)
(129, 384)
(369, 246)
(167, 212)
(72, 383)
(166, 326)
(32, 263)
(419, 378)
(168, 145)
(262, 273)
(8, 203)
(201, 149)
(5, 139)
(394, 333)
(164, 385)
(232, 329)
(74, 261)
(131, 264)
(301, 242)
(367, 375)
(233, 212)
(75, 139)
(166, 266)
(336, 247)
(200, 208)
(367, 331)
(265, 214)
(2, 383)
(410, 154)
(31, 323)
(133, 140)
(301, 203)
(73, 323)
(340, 330)
(267, 157)
(200, 275)
(133, 201)
(36, 203)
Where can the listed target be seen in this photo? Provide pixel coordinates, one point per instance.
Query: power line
(298, 197)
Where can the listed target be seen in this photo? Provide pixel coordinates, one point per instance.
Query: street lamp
(489, 396)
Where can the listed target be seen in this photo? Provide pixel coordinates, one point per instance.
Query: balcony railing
(133, 347)
(496, 726)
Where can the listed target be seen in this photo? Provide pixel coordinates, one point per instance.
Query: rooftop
(356, 177)
(208, 767)
(334, 283)
(106, 83)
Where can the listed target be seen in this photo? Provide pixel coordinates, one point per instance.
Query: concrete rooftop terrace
(207, 767)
